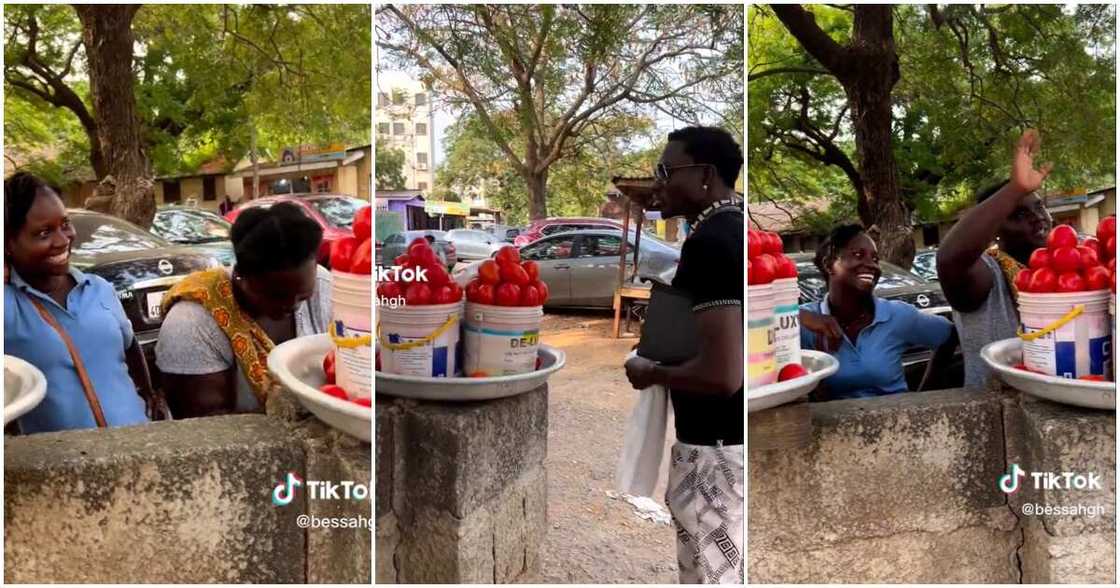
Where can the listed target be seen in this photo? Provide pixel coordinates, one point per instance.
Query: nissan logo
(165, 267)
(923, 300)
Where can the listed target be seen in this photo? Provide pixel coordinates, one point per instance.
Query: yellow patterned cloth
(1011, 268)
(213, 289)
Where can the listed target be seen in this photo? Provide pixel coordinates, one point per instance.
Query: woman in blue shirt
(37, 241)
(867, 334)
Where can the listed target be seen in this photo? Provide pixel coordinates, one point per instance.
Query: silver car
(581, 267)
(471, 245)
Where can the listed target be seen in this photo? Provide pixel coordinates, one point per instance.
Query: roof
(398, 194)
(779, 217)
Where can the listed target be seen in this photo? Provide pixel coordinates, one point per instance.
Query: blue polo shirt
(873, 365)
(96, 323)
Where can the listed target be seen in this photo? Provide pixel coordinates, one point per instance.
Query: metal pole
(625, 240)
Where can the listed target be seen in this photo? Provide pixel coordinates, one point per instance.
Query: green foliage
(389, 163)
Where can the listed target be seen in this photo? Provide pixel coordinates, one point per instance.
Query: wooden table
(623, 297)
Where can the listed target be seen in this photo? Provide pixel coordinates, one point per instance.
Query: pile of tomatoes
(765, 260)
(355, 254)
(1066, 265)
(331, 388)
(508, 281)
(432, 286)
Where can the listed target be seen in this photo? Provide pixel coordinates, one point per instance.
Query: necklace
(710, 210)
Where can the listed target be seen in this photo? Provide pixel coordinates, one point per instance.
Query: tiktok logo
(1009, 482)
(284, 493)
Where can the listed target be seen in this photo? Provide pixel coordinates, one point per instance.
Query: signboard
(451, 208)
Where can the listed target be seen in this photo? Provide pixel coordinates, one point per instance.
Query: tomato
(443, 295)
(417, 294)
(1106, 229)
(532, 269)
(1023, 280)
(1092, 243)
(472, 290)
(1065, 260)
(1111, 266)
(489, 272)
(1110, 248)
(508, 254)
(1093, 378)
(334, 390)
(387, 290)
(1071, 282)
(363, 223)
(507, 294)
(401, 259)
(763, 269)
(1043, 280)
(419, 241)
(1040, 258)
(791, 371)
(421, 254)
(786, 268)
(754, 244)
(773, 244)
(513, 273)
(1062, 236)
(530, 296)
(1088, 257)
(328, 366)
(362, 402)
(342, 253)
(362, 262)
(437, 275)
(1097, 278)
(543, 289)
(485, 293)
(1021, 366)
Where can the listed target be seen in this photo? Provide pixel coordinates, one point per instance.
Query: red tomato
(443, 295)
(1023, 280)
(401, 259)
(543, 289)
(763, 269)
(754, 244)
(791, 371)
(456, 292)
(1111, 266)
(362, 262)
(1065, 260)
(1097, 278)
(1040, 258)
(513, 273)
(328, 366)
(334, 390)
(388, 290)
(1088, 257)
(362, 402)
(786, 268)
(489, 272)
(1094, 244)
(773, 244)
(1110, 248)
(1071, 282)
(1043, 281)
(508, 254)
(1093, 378)
(419, 241)
(530, 296)
(507, 294)
(1062, 236)
(485, 293)
(472, 290)
(417, 294)
(1106, 229)
(363, 223)
(437, 275)
(532, 269)
(421, 254)
(750, 274)
(342, 253)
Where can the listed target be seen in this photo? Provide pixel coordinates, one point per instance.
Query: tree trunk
(538, 194)
(127, 189)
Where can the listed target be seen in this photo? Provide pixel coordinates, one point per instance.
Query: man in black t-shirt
(695, 179)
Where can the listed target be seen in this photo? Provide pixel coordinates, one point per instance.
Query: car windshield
(186, 226)
(339, 211)
(99, 233)
(925, 265)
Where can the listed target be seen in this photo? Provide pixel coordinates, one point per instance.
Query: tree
(966, 81)
(390, 168)
(561, 72)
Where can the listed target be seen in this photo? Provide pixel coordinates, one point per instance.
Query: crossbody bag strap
(87, 384)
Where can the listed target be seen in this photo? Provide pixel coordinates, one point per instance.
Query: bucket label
(1079, 348)
(498, 352)
(787, 340)
(423, 360)
(761, 368)
(354, 365)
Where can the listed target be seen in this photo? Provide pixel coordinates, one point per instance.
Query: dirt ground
(593, 538)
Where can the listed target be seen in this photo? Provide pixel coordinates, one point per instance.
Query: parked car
(334, 212)
(894, 284)
(581, 267)
(397, 243)
(550, 226)
(205, 230)
(471, 245)
(925, 264)
(140, 266)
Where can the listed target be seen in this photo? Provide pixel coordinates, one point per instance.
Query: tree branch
(786, 70)
(816, 42)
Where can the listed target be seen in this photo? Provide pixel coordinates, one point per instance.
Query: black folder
(669, 330)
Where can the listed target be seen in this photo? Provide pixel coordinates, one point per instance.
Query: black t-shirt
(711, 271)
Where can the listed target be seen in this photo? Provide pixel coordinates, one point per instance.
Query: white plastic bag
(644, 444)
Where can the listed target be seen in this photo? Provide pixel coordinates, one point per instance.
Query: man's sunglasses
(663, 172)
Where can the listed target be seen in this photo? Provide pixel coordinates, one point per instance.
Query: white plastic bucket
(350, 330)
(761, 368)
(420, 340)
(501, 340)
(1080, 346)
(787, 337)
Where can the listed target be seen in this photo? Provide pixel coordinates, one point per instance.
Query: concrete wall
(182, 502)
(903, 489)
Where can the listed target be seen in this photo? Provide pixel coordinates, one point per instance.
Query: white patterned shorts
(705, 497)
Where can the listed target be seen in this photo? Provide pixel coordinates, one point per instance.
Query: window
(421, 129)
(421, 99)
(398, 128)
(558, 248)
(601, 246)
(382, 128)
(209, 191)
(171, 191)
(422, 186)
(422, 158)
(382, 99)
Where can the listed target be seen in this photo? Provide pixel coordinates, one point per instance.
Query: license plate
(154, 300)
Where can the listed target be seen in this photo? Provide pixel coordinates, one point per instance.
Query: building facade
(405, 122)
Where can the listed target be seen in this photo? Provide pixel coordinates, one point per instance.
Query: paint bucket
(761, 368)
(1067, 334)
(501, 340)
(420, 340)
(350, 332)
(787, 337)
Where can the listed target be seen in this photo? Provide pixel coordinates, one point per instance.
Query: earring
(705, 186)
